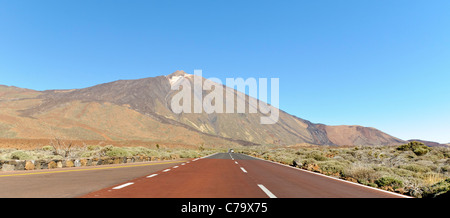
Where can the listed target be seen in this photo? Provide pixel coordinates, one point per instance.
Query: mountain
(141, 110)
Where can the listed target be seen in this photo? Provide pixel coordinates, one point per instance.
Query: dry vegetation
(411, 169)
(90, 151)
(60, 149)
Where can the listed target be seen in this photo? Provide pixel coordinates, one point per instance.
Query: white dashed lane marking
(124, 185)
(268, 193)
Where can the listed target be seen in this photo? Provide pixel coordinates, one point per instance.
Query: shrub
(316, 155)
(388, 181)
(405, 147)
(445, 169)
(285, 160)
(416, 168)
(87, 154)
(117, 152)
(20, 155)
(417, 147)
(133, 151)
(421, 150)
(404, 173)
(332, 167)
(437, 189)
(362, 173)
(93, 147)
(48, 148)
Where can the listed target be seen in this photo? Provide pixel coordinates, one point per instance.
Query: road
(232, 175)
(73, 182)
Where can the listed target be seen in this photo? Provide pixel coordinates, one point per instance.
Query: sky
(375, 63)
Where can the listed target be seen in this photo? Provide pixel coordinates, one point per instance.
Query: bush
(362, 173)
(48, 148)
(421, 150)
(406, 147)
(445, 169)
(93, 147)
(20, 155)
(388, 181)
(117, 152)
(332, 167)
(416, 168)
(417, 147)
(316, 155)
(134, 151)
(437, 189)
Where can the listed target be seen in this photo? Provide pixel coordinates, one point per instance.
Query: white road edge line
(153, 175)
(265, 190)
(167, 170)
(175, 167)
(330, 177)
(242, 168)
(236, 162)
(124, 185)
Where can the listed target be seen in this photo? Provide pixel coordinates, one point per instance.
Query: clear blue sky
(378, 63)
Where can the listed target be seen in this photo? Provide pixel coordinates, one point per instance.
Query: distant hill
(141, 110)
(358, 135)
(429, 143)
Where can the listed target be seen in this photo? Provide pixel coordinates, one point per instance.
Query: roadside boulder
(29, 165)
(51, 165)
(7, 167)
(69, 163)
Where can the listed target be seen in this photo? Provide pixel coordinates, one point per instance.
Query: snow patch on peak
(177, 73)
(177, 76)
(174, 79)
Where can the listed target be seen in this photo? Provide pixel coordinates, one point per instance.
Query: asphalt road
(232, 175)
(73, 182)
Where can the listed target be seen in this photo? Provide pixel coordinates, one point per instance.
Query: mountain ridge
(148, 99)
